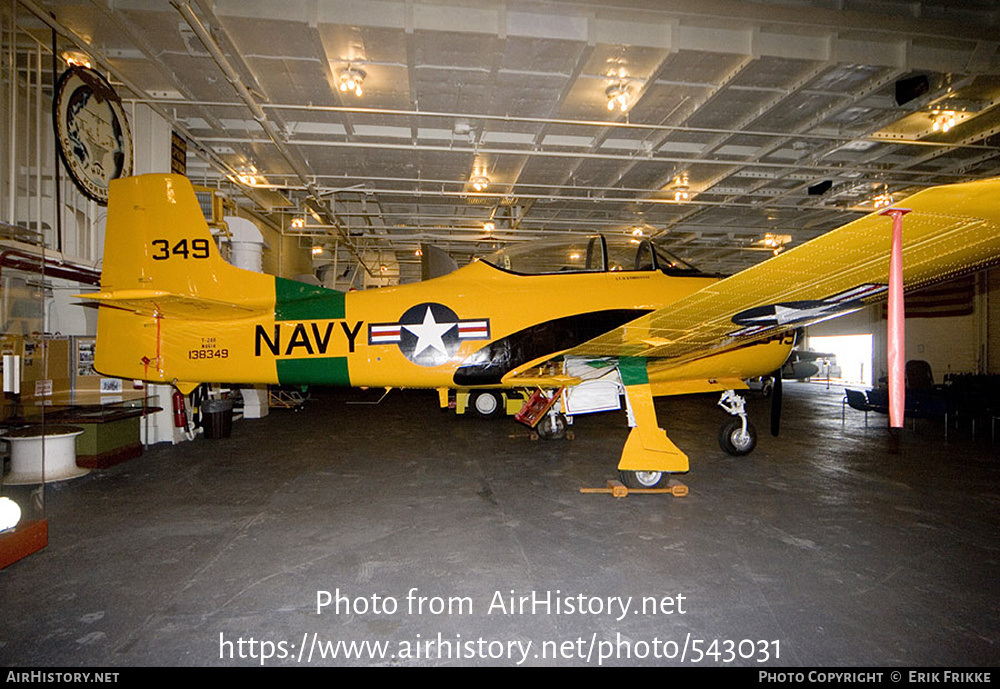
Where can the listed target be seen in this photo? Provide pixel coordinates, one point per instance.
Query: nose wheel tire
(552, 427)
(735, 441)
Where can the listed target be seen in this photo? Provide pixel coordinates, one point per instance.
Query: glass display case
(35, 451)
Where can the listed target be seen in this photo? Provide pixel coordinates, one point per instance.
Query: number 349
(198, 249)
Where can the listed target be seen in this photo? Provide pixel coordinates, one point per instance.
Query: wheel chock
(617, 489)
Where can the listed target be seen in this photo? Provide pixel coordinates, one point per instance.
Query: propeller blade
(896, 335)
(776, 403)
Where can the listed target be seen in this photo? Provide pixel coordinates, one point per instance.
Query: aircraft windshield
(593, 254)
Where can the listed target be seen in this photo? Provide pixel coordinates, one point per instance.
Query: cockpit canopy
(588, 254)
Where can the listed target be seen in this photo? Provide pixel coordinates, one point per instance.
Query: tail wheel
(644, 479)
(552, 427)
(487, 403)
(735, 441)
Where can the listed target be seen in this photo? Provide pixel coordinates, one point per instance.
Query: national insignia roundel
(429, 334)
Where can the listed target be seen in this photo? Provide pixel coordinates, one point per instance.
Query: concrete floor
(829, 546)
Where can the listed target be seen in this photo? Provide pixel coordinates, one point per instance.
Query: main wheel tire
(734, 441)
(644, 479)
(487, 403)
(552, 427)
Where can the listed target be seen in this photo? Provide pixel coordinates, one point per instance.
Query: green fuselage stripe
(297, 301)
(313, 371)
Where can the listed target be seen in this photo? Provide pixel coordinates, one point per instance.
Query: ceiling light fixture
(776, 242)
(480, 182)
(489, 226)
(247, 174)
(682, 192)
(943, 120)
(882, 200)
(298, 223)
(351, 79)
(618, 96)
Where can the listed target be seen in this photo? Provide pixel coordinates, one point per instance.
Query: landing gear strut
(737, 436)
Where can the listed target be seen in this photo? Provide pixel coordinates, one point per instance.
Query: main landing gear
(645, 479)
(737, 436)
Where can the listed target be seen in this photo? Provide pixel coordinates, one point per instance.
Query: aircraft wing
(950, 231)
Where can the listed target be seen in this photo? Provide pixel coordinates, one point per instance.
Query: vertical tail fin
(166, 284)
(157, 239)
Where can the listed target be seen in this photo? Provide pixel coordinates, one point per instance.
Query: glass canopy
(588, 254)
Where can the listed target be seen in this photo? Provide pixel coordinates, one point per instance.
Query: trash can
(217, 418)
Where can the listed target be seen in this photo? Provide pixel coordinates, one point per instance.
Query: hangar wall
(951, 344)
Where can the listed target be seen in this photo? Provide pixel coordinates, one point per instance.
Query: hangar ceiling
(742, 119)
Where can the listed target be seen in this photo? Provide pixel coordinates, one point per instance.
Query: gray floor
(829, 546)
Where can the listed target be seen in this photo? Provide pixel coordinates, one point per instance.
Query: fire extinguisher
(180, 414)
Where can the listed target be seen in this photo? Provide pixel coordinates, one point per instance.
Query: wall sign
(92, 132)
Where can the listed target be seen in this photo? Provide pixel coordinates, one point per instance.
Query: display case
(30, 454)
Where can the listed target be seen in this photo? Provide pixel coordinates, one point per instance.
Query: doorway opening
(853, 363)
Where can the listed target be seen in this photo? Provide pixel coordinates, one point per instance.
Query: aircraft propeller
(776, 403)
(896, 321)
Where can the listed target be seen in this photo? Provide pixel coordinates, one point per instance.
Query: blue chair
(855, 399)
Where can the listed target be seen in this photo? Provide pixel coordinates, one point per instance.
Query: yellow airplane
(176, 312)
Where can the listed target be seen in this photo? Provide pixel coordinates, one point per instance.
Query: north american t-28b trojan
(176, 312)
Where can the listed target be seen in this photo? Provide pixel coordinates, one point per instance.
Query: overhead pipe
(50, 267)
(261, 117)
(643, 156)
(558, 121)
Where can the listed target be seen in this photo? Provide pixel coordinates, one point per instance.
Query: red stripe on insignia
(473, 329)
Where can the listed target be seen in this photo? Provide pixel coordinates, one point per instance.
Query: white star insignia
(783, 314)
(429, 334)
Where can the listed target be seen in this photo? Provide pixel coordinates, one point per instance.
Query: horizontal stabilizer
(161, 304)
